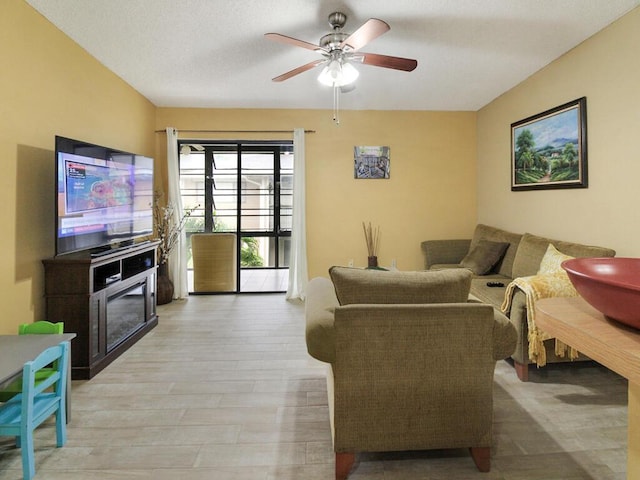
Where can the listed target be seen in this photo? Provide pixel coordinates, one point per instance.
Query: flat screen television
(104, 197)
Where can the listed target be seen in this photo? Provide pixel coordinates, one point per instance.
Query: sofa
(496, 255)
(410, 361)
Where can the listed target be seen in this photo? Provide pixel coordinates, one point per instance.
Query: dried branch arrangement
(168, 226)
(372, 237)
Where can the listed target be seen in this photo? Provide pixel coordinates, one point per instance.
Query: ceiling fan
(339, 50)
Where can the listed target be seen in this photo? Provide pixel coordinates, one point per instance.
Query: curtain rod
(235, 131)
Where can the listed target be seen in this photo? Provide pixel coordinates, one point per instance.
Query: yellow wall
(53, 87)
(436, 190)
(448, 169)
(49, 86)
(430, 194)
(605, 69)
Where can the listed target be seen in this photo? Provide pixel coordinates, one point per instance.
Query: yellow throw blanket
(536, 287)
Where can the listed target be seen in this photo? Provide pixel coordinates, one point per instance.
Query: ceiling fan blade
(370, 30)
(386, 61)
(293, 41)
(298, 70)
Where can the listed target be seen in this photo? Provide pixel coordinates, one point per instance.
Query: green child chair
(41, 328)
(35, 328)
(21, 415)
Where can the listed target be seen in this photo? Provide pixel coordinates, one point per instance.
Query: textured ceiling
(212, 53)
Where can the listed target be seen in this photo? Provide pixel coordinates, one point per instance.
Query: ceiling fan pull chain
(336, 104)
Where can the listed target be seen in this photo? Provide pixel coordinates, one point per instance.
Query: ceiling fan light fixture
(338, 73)
(349, 74)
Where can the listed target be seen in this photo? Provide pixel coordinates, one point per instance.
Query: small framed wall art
(549, 150)
(371, 162)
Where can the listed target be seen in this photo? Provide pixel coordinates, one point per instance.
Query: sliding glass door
(243, 189)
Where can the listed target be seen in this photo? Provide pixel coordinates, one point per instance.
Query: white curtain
(178, 258)
(298, 260)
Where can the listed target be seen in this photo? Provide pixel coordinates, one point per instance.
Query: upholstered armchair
(411, 362)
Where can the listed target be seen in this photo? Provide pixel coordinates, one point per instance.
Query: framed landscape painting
(549, 150)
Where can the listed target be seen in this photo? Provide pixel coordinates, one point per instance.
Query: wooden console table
(616, 346)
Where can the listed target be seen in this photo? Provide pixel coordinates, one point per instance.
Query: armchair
(410, 376)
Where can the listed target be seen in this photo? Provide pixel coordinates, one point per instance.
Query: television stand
(109, 302)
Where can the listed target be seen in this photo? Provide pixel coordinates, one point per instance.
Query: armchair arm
(320, 304)
(437, 252)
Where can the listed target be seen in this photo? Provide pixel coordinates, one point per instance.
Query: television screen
(103, 196)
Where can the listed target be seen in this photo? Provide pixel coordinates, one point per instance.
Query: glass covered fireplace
(126, 313)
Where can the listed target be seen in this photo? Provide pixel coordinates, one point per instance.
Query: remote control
(495, 284)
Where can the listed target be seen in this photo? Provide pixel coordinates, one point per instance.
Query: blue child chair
(35, 328)
(21, 415)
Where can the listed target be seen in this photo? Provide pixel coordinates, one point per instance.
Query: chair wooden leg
(522, 370)
(481, 457)
(344, 463)
(61, 426)
(26, 450)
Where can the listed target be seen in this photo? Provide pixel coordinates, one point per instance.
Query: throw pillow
(484, 256)
(551, 268)
(354, 285)
(552, 260)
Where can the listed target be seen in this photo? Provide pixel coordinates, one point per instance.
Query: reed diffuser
(372, 237)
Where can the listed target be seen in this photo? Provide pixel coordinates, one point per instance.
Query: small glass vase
(372, 262)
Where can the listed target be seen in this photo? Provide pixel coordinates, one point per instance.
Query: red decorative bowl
(610, 285)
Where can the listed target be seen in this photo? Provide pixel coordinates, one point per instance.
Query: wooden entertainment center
(108, 301)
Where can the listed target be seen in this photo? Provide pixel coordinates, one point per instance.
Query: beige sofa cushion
(533, 248)
(356, 286)
(493, 234)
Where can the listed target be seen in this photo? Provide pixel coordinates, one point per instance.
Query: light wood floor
(258, 280)
(223, 389)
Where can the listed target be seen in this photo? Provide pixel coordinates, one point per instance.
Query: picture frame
(371, 162)
(549, 150)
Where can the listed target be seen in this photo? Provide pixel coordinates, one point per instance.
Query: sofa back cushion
(492, 234)
(532, 249)
(360, 286)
